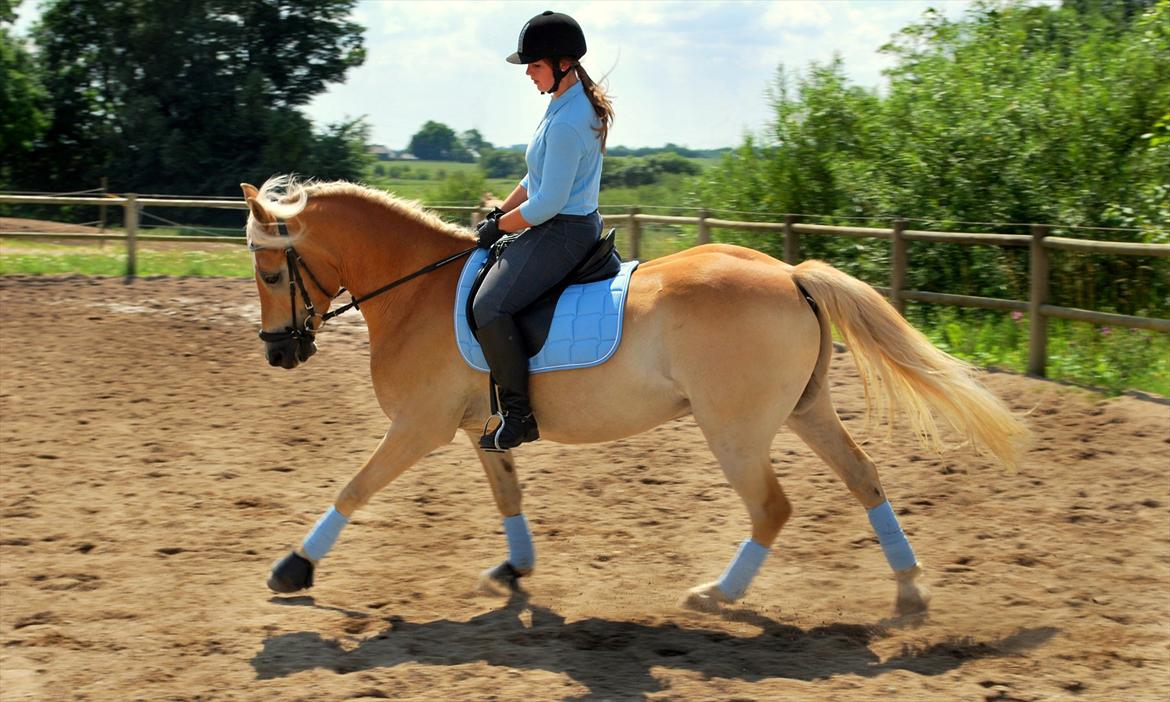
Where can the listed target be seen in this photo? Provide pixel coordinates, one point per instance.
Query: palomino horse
(729, 335)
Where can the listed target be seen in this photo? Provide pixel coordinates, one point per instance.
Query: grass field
(42, 258)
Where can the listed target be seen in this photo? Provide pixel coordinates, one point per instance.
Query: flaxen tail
(901, 368)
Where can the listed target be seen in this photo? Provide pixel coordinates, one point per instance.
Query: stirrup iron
(495, 434)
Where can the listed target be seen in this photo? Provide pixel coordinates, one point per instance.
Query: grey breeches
(533, 264)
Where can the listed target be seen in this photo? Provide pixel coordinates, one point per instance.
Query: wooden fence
(1038, 242)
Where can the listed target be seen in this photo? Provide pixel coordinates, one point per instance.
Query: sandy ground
(153, 466)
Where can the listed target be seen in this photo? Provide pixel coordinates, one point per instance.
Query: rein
(296, 283)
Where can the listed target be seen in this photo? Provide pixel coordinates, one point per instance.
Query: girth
(534, 321)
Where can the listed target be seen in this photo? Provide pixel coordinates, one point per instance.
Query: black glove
(488, 231)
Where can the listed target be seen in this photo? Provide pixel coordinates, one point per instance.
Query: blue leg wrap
(894, 544)
(748, 559)
(324, 534)
(520, 552)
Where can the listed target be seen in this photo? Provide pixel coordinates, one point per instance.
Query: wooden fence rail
(1039, 244)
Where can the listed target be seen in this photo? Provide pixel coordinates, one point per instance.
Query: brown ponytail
(601, 104)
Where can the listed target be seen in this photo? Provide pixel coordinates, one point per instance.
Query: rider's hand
(488, 231)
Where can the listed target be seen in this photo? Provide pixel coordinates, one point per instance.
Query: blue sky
(692, 73)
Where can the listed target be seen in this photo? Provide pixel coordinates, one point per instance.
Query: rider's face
(541, 74)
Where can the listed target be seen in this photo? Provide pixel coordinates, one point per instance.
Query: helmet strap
(558, 75)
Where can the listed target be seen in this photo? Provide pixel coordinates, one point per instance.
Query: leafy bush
(460, 188)
(1012, 114)
(503, 164)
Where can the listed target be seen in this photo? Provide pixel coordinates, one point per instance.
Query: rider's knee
(484, 311)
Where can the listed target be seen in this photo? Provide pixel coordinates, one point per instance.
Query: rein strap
(390, 286)
(296, 283)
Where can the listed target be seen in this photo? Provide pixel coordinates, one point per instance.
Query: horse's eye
(270, 278)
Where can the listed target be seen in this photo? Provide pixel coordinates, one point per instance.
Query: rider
(556, 202)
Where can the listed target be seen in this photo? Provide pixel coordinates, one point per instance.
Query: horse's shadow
(615, 658)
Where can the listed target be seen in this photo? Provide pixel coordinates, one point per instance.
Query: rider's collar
(565, 98)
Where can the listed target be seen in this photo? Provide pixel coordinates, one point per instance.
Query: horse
(728, 335)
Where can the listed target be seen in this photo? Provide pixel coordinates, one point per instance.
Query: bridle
(296, 283)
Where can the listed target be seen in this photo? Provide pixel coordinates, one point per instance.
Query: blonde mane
(284, 197)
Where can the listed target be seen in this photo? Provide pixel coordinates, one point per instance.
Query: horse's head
(287, 324)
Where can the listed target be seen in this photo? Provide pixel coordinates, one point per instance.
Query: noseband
(296, 283)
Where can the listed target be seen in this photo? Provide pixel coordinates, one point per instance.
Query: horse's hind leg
(818, 425)
(501, 473)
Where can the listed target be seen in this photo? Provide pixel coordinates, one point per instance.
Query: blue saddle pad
(586, 326)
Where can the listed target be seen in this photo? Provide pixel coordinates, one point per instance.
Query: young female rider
(556, 202)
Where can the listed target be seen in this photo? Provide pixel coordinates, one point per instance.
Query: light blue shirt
(564, 160)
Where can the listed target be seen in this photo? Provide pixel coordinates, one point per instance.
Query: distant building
(383, 153)
(379, 152)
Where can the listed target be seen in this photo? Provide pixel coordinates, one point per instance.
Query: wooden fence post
(635, 234)
(102, 208)
(476, 217)
(898, 267)
(1038, 323)
(791, 241)
(131, 236)
(704, 230)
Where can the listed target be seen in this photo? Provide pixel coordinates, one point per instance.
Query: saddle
(534, 321)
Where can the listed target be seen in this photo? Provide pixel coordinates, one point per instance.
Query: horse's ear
(250, 190)
(258, 211)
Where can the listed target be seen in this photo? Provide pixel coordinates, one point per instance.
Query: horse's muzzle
(291, 352)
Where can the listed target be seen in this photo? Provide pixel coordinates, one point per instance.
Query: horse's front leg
(501, 473)
(404, 444)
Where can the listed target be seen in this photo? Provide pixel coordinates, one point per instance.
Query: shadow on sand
(616, 657)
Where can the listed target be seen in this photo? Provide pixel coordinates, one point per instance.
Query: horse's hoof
(502, 579)
(912, 604)
(292, 573)
(913, 598)
(706, 598)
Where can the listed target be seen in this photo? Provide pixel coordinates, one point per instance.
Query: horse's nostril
(275, 358)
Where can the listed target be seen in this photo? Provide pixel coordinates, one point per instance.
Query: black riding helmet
(550, 35)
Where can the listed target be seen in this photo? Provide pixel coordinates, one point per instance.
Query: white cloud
(688, 72)
(797, 14)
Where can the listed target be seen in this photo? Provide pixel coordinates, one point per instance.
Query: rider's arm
(518, 196)
(513, 221)
(563, 152)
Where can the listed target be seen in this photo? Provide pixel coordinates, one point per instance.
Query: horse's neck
(371, 244)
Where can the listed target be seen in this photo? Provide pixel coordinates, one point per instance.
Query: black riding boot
(503, 348)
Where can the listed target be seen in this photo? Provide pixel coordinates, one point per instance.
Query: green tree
(673, 162)
(1014, 113)
(436, 141)
(186, 97)
(23, 101)
(473, 142)
(340, 151)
